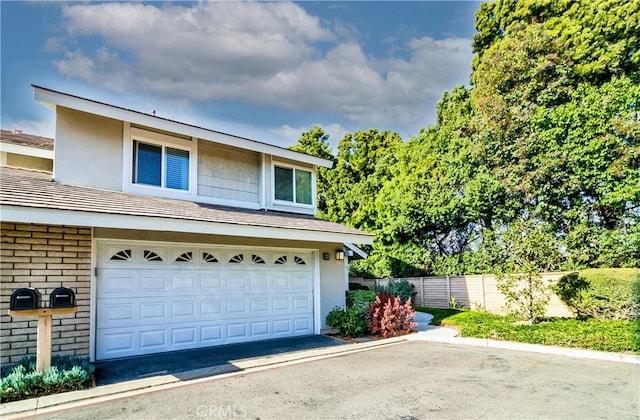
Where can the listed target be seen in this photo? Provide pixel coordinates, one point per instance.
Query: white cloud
(266, 53)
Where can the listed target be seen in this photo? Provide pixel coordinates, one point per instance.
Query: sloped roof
(28, 140)
(36, 190)
(53, 99)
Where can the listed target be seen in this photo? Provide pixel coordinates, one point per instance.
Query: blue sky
(263, 70)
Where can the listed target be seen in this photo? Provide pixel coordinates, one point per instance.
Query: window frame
(294, 168)
(163, 141)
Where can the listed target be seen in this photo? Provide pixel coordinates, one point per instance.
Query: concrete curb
(533, 348)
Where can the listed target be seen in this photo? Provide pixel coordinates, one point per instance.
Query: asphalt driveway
(409, 380)
(222, 357)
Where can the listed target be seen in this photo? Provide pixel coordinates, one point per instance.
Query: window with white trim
(293, 185)
(160, 166)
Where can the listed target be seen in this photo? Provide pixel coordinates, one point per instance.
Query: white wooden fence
(473, 291)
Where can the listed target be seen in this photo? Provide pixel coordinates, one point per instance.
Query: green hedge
(604, 293)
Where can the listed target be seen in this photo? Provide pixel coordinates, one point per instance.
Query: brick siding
(44, 257)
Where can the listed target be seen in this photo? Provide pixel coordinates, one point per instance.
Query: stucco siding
(88, 150)
(333, 283)
(28, 162)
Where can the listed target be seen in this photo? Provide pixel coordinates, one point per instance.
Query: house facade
(172, 236)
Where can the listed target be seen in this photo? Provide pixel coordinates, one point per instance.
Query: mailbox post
(22, 306)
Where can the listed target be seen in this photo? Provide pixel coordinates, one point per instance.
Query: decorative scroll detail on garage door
(151, 256)
(123, 255)
(139, 255)
(185, 257)
(209, 258)
(257, 259)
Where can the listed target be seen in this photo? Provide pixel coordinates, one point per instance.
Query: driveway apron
(141, 367)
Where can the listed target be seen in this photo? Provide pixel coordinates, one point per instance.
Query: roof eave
(52, 99)
(23, 214)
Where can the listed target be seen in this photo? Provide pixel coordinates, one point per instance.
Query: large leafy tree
(548, 135)
(556, 100)
(363, 166)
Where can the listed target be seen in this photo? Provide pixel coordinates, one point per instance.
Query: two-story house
(173, 236)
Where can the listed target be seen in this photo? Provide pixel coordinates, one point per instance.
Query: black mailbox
(62, 297)
(24, 299)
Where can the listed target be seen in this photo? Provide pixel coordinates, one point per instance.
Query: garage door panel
(211, 308)
(183, 309)
(202, 297)
(210, 282)
(259, 305)
(185, 284)
(211, 334)
(302, 325)
(153, 311)
(117, 343)
(184, 336)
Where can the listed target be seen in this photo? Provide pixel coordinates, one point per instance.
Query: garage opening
(157, 297)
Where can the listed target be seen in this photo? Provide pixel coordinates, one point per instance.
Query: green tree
(363, 164)
(532, 249)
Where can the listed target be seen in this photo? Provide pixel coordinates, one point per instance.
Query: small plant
(526, 295)
(453, 303)
(389, 318)
(21, 381)
(478, 307)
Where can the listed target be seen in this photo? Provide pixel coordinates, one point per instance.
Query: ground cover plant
(21, 380)
(592, 334)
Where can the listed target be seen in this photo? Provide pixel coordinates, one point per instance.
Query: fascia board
(357, 250)
(26, 150)
(18, 214)
(53, 99)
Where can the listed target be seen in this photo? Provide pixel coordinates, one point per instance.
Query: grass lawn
(593, 334)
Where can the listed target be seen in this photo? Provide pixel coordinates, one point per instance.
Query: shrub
(602, 293)
(360, 298)
(348, 321)
(22, 381)
(388, 317)
(402, 289)
(352, 320)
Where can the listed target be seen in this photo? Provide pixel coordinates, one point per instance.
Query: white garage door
(156, 297)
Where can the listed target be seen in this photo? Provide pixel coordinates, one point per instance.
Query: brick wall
(44, 257)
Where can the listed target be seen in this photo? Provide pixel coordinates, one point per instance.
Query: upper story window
(293, 185)
(160, 166)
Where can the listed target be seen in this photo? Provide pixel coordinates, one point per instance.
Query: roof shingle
(24, 188)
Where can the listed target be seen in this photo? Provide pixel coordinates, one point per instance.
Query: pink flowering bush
(388, 317)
